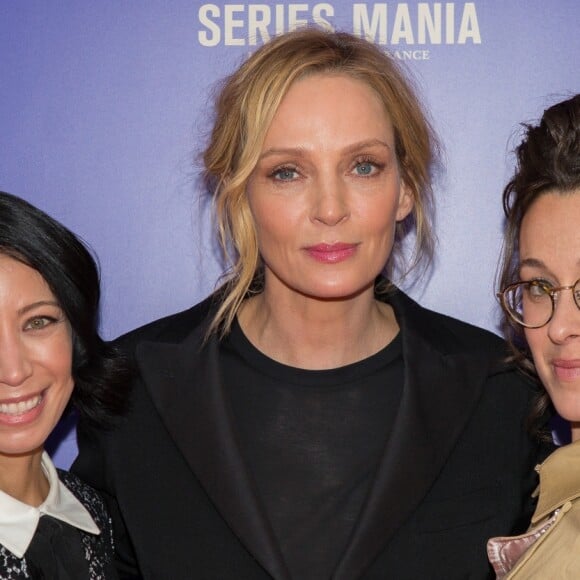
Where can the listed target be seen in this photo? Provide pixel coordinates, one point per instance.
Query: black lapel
(185, 385)
(438, 398)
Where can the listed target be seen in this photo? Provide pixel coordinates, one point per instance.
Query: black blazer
(457, 468)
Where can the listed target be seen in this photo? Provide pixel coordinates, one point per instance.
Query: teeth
(21, 407)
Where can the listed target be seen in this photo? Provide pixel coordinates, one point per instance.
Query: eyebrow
(535, 263)
(301, 151)
(532, 263)
(39, 304)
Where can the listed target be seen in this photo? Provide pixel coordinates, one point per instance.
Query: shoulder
(446, 334)
(98, 549)
(88, 496)
(457, 344)
(173, 328)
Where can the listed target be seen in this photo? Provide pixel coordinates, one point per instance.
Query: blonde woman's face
(326, 193)
(550, 252)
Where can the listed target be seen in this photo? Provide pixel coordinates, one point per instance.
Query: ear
(406, 202)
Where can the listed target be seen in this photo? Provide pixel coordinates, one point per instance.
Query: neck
(22, 477)
(317, 334)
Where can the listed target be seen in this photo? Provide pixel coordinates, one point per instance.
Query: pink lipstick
(331, 253)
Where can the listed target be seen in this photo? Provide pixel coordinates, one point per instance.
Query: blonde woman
(309, 420)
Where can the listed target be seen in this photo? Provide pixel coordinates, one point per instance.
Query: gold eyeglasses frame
(549, 291)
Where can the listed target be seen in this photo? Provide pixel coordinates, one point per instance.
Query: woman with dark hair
(51, 524)
(309, 420)
(540, 295)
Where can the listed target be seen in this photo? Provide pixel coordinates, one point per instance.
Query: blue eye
(365, 168)
(285, 174)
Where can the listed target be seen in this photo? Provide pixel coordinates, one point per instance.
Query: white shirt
(18, 521)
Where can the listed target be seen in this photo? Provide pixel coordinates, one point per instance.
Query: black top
(312, 440)
(56, 552)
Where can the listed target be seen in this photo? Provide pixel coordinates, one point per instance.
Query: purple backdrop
(105, 107)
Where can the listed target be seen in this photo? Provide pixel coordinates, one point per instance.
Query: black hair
(101, 374)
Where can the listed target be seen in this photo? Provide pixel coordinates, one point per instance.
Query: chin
(568, 406)
(22, 449)
(26, 439)
(339, 290)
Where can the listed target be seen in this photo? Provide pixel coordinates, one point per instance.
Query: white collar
(18, 521)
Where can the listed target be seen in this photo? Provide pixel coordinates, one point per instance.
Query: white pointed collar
(18, 521)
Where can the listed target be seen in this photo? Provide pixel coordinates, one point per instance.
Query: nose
(15, 366)
(330, 205)
(565, 322)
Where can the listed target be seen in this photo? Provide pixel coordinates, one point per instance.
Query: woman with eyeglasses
(541, 300)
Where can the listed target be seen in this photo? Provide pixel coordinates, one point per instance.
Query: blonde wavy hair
(244, 109)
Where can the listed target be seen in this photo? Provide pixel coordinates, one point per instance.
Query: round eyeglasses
(531, 304)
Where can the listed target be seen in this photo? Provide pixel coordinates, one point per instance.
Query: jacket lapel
(439, 395)
(185, 385)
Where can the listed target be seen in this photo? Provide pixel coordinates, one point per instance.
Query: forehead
(336, 105)
(18, 281)
(549, 229)
(552, 209)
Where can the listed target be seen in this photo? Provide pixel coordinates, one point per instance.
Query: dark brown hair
(547, 161)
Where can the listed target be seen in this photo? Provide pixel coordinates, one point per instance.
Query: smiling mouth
(15, 409)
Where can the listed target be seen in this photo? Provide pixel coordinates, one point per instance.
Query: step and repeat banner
(105, 108)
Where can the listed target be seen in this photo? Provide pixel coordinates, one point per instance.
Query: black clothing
(312, 441)
(457, 468)
(56, 552)
(60, 551)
